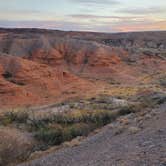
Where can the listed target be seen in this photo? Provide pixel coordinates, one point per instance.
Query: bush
(54, 130)
(97, 116)
(128, 109)
(21, 117)
(101, 118)
(163, 82)
(10, 117)
(50, 136)
(79, 129)
(63, 119)
(67, 136)
(55, 135)
(152, 99)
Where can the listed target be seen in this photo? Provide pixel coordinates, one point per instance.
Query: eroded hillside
(44, 67)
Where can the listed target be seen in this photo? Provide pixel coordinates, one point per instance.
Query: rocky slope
(26, 82)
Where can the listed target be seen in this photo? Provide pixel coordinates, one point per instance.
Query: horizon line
(81, 31)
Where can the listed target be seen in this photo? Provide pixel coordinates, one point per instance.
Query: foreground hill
(133, 140)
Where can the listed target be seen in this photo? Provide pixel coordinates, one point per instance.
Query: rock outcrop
(41, 66)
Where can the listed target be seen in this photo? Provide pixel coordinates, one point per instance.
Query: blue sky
(85, 15)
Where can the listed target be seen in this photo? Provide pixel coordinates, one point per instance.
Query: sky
(84, 15)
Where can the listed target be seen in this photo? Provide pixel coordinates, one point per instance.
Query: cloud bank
(84, 15)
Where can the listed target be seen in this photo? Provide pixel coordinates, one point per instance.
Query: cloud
(122, 25)
(97, 17)
(143, 11)
(129, 25)
(147, 25)
(27, 15)
(97, 2)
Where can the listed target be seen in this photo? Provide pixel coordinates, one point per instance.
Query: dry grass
(51, 129)
(14, 145)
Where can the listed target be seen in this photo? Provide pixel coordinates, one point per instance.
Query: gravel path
(139, 142)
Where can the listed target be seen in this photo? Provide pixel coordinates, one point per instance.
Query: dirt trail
(133, 140)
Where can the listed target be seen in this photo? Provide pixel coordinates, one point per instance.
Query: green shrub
(80, 129)
(103, 117)
(62, 127)
(97, 116)
(67, 136)
(34, 124)
(57, 135)
(162, 82)
(10, 117)
(50, 136)
(128, 109)
(21, 117)
(63, 119)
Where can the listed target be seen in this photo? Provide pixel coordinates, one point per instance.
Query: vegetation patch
(18, 116)
(62, 127)
(162, 82)
(56, 128)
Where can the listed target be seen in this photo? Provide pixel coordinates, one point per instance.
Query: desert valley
(59, 89)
